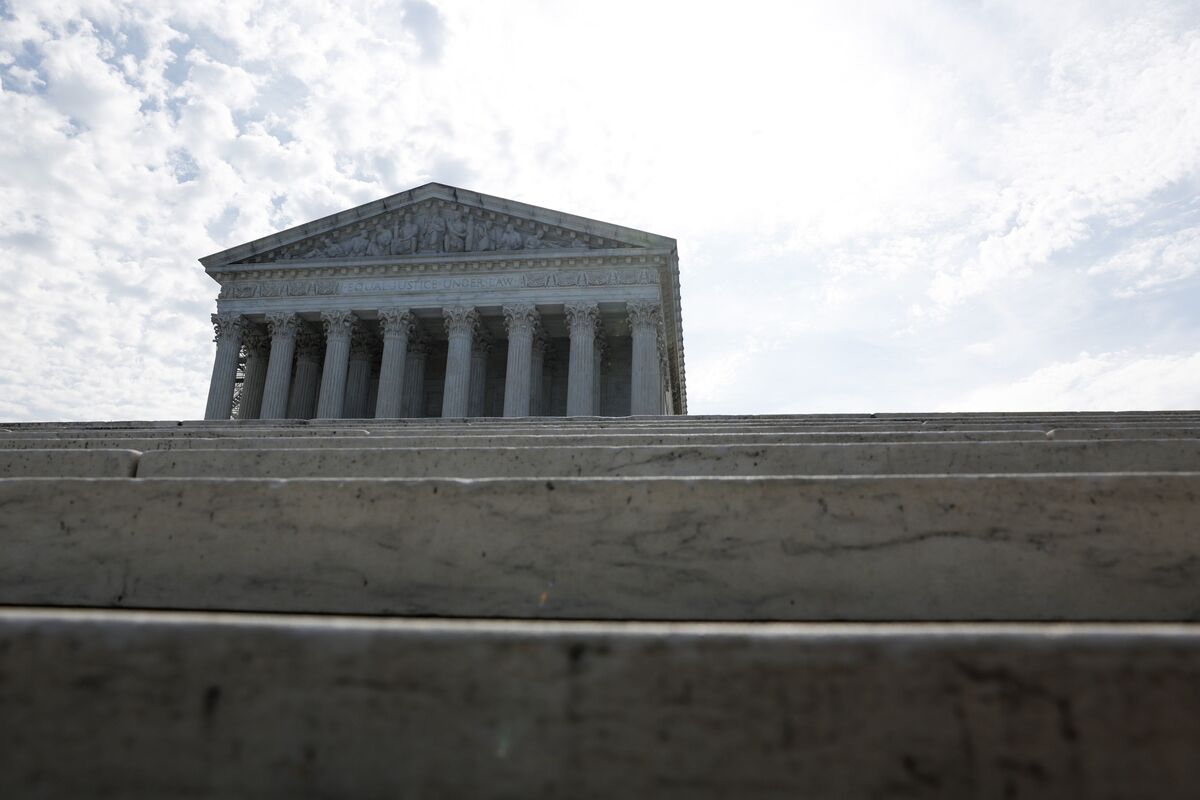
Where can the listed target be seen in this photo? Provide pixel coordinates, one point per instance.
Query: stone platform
(821, 606)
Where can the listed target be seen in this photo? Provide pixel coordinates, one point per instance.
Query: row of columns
(344, 381)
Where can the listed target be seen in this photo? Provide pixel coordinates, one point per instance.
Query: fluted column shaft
(283, 328)
(358, 375)
(331, 401)
(412, 400)
(581, 321)
(646, 378)
(479, 358)
(597, 364)
(521, 323)
(537, 369)
(258, 354)
(306, 380)
(461, 325)
(229, 328)
(396, 323)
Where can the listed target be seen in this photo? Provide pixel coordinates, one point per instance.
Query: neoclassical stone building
(443, 302)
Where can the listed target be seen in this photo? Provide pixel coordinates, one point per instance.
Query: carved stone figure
(481, 235)
(533, 241)
(433, 232)
(456, 232)
(406, 240)
(510, 239)
(381, 242)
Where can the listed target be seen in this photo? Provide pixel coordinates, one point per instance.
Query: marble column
(358, 374)
(331, 400)
(306, 381)
(396, 324)
(461, 326)
(283, 328)
(479, 358)
(646, 374)
(412, 398)
(581, 322)
(598, 350)
(258, 352)
(521, 322)
(229, 329)
(537, 371)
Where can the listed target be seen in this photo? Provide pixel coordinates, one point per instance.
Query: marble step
(1022, 547)
(224, 432)
(578, 460)
(474, 439)
(447, 432)
(761, 419)
(521, 439)
(125, 704)
(64, 463)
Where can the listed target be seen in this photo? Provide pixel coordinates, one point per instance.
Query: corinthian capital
(362, 343)
(309, 345)
(256, 341)
(338, 323)
(582, 318)
(227, 326)
(418, 344)
(283, 326)
(461, 320)
(396, 322)
(644, 314)
(521, 319)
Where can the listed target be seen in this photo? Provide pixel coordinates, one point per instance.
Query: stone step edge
(490, 626)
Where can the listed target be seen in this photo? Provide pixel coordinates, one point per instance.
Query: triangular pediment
(433, 220)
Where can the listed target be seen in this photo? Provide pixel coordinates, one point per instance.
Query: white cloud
(1122, 381)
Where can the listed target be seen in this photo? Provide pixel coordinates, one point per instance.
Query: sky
(921, 206)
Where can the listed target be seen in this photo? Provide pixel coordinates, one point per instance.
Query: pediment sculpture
(435, 227)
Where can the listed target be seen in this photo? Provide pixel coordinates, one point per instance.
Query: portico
(442, 302)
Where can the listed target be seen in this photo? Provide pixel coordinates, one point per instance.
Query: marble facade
(442, 302)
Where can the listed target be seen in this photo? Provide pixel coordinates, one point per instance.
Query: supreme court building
(439, 302)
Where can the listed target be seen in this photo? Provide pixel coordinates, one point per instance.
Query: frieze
(433, 283)
(435, 227)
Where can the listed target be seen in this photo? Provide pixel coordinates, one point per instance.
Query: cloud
(1121, 381)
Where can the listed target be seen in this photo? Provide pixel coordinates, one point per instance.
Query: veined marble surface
(1036, 547)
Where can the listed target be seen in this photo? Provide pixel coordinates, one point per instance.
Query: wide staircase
(987, 605)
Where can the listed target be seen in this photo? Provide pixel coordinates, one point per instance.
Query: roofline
(436, 191)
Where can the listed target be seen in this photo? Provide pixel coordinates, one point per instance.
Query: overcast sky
(885, 206)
